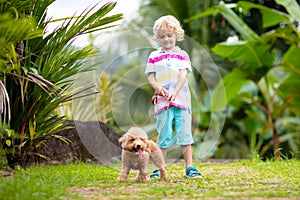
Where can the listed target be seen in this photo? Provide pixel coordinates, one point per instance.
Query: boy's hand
(171, 96)
(162, 92)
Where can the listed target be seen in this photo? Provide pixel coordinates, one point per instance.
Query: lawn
(238, 180)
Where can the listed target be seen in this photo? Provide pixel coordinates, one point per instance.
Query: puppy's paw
(163, 174)
(121, 178)
(142, 178)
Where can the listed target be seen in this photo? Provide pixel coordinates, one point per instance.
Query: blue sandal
(192, 172)
(155, 174)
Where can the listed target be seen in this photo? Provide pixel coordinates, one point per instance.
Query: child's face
(167, 39)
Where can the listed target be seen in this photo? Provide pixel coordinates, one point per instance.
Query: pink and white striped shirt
(166, 66)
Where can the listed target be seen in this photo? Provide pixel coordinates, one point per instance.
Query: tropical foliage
(263, 83)
(38, 68)
(259, 118)
(39, 71)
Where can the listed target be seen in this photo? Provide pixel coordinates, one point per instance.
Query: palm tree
(37, 70)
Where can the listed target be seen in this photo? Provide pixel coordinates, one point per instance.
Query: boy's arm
(181, 80)
(152, 80)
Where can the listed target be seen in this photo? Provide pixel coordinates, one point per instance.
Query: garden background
(244, 83)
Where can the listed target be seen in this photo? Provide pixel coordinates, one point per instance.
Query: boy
(167, 70)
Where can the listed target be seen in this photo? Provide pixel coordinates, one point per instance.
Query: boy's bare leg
(187, 155)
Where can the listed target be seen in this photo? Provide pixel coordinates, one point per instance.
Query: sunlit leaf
(8, 143)
(292, 7)
(289, 91)
(291, 59)
(270, 17)
(251, 53)
(232, 82)
(226, 11)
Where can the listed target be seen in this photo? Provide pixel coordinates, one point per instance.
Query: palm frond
(36, 78)
(4, 104)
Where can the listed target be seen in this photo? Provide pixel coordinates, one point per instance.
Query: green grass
(245, 179)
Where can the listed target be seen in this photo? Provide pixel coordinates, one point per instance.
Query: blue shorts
(171, 121)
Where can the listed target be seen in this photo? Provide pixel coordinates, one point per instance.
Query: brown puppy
(137, 150)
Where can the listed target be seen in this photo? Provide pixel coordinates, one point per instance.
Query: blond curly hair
(166, 23)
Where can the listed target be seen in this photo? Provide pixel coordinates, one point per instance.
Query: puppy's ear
(148, 148)
(122, 141)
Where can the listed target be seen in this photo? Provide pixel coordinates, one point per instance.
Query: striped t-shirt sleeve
(150, 65)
